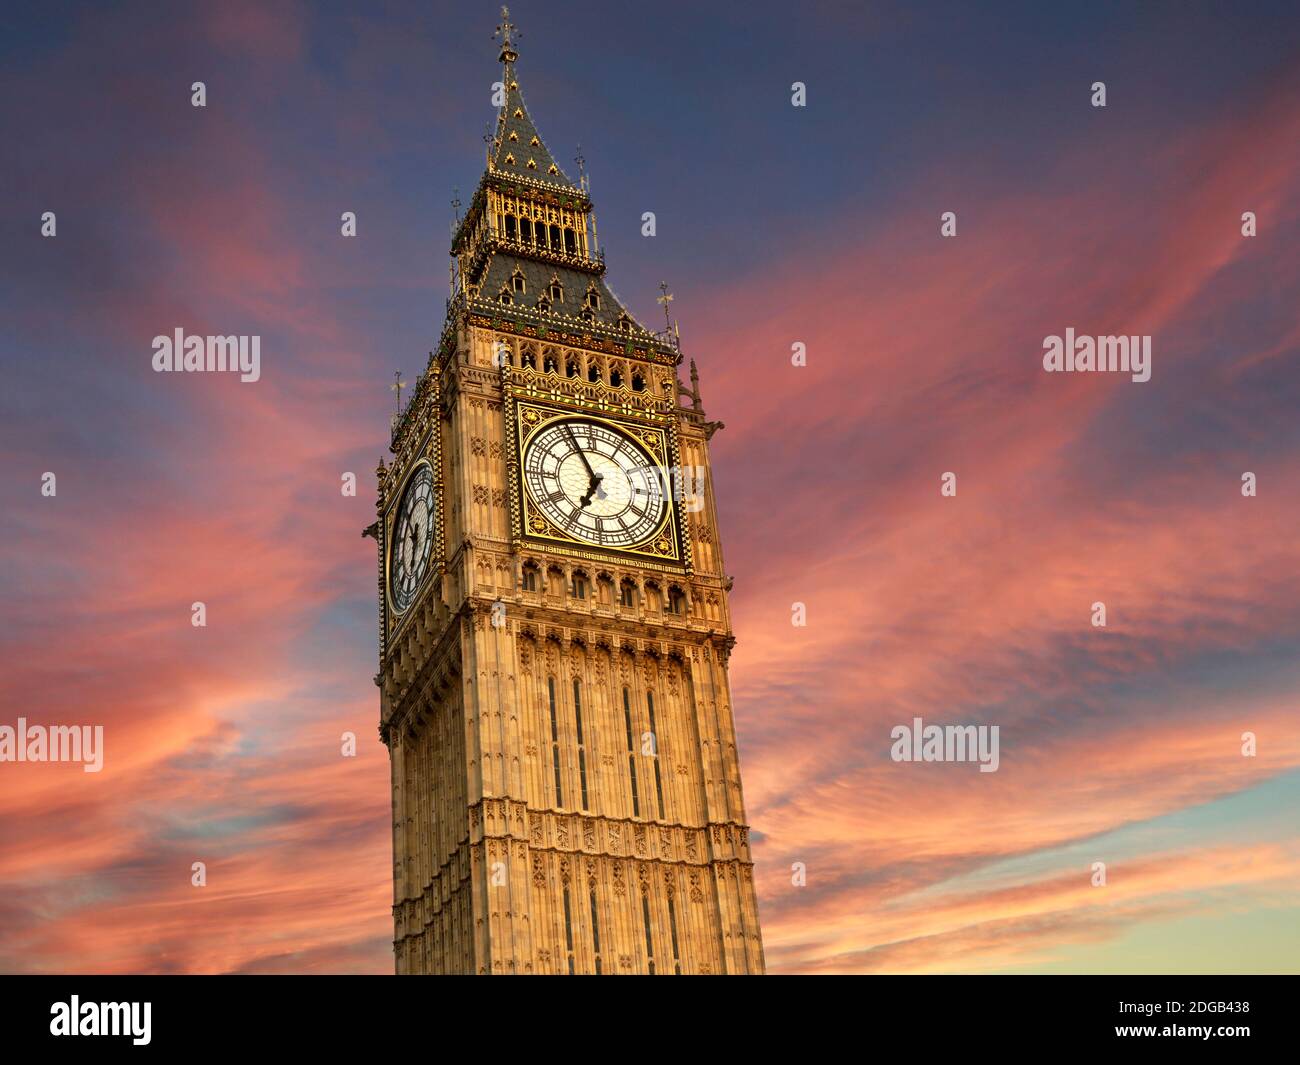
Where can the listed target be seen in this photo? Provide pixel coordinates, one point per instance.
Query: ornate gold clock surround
(426, 449)
(528, 411)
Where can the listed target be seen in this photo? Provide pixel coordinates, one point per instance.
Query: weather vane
(665, 299)
(397, 386)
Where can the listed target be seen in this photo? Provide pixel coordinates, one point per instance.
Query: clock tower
(554, 627)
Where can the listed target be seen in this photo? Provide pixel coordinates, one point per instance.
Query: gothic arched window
(568, 928)
(672, 926)
(555, 741)
(649, 941)
(582, 748)
(654, 734)
(631, 752)
(595, 926)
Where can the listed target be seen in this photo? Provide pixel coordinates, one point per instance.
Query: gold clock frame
(427, 453)
(666, 549)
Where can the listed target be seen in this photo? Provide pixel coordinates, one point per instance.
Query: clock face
(412, 543)
(595, 483)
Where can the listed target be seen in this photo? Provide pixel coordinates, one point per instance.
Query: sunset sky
(776, 225)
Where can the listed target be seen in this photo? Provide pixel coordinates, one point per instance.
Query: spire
(526, 248)
(517, 147)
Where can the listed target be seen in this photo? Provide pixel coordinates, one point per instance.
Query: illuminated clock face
(412, 543)
(595, 483)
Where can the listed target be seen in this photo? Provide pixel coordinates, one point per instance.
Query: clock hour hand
(592, 487)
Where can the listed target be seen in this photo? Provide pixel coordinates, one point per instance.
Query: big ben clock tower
(554, 621)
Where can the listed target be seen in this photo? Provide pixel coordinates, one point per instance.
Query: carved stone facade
(566, 789)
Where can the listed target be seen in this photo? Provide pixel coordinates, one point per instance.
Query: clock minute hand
(594, 478)
(581, 454)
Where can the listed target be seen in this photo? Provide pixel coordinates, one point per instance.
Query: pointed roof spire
(517, 147)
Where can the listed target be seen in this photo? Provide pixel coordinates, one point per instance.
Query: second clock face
(412, 543)
(594, 483)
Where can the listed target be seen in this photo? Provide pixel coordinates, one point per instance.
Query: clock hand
(593, 486)
(581, 454)
(594, 478)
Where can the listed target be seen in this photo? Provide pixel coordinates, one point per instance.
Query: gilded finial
(505, 31)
